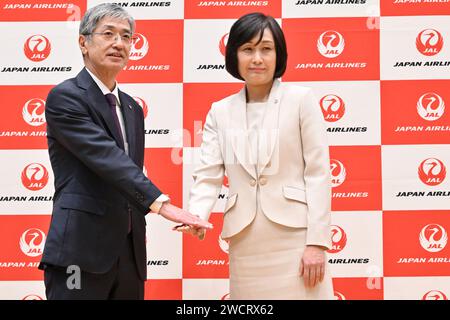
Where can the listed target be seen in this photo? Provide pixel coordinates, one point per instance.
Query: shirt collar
(104, 88)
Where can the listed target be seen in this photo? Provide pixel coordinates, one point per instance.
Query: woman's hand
(312, 265)
(194, 231)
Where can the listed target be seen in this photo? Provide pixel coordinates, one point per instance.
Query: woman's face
(257, 62)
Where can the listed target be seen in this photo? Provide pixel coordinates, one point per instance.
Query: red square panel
(414, 8)
(163, 289)
(418, 117)
(157, 53)
(207, 258)
(327, 49)
(415, 243)
(164, 169)
(358, 288)
(356, 177)
(23, 124)
(49, 10)
(229, 9)
(23, 239)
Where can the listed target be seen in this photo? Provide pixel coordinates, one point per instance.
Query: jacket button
(262, 181)
(253, 183)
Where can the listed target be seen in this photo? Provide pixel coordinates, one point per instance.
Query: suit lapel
(239, 133)
(269, 133)
(128, 118)
(98, 102)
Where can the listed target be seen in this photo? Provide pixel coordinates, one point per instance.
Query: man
(96, 145)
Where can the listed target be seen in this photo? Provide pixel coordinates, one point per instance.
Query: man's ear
(82, 43)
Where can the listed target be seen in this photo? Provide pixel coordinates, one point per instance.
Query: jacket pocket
(294, 193)
(230, 202)
(82, 202)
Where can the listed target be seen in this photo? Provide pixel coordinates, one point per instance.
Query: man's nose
(118, 41)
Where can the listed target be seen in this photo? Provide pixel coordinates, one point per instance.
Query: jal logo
(333, 107)
(434, 295)
(432, 171)
(225, 182)
(338, 173)
(433, 238)
(330, 44)
(223, 44)
(32, 242)
(37, 48)
(225, 297)
(34, 176)
(143, 105)
(33, 112)
(429, 42)
(430, 106)
(139, 47)
(32, 297)
(339, 296)
(223, 245)
(338, 239)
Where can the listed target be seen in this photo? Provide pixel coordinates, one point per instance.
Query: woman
(270, 139)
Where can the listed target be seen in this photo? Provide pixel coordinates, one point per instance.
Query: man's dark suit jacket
(96, 183)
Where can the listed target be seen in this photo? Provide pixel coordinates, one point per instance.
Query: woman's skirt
(265, 263)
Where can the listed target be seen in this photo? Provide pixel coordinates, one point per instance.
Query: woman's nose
(257, 58)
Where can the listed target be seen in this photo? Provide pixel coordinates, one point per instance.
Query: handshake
(189, 223)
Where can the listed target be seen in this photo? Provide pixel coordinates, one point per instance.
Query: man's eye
(108, 33)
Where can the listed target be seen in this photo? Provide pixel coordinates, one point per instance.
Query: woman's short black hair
(245, 29)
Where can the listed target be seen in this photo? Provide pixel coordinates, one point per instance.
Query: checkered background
(380, 69)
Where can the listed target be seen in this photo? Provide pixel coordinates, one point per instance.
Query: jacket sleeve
(317, 171)
(208, 175)
(69, 122)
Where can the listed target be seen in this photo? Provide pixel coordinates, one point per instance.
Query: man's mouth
(115, 54)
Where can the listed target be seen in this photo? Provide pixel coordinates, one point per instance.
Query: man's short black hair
(245, 29)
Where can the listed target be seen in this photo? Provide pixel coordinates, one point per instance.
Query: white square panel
(352, 111)
(323, 8)
(404, 170)
(400, 49)
(164, 249)
(204, 45)
(26, 186)
(22, 290)
(53, 46)
(416, 288)
(358, 244)
(163, 111)
(149, 10)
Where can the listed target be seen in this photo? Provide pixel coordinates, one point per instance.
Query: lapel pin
(129, 106)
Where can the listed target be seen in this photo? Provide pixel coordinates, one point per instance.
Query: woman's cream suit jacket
(290, 180)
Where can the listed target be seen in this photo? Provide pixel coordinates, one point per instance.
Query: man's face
(107, 49)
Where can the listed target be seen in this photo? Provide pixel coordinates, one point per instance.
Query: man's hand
(198, 232)
(175, 214)
(312, 265)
